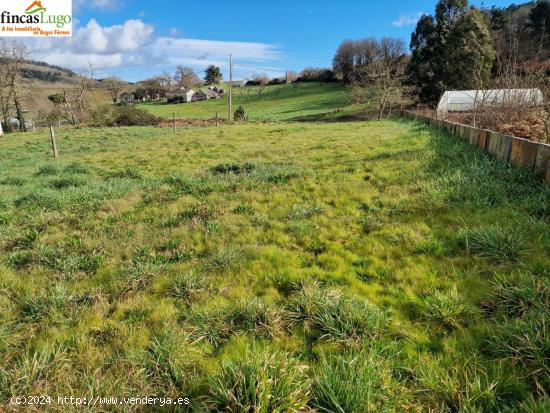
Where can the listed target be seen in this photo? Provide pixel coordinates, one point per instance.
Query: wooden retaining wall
(517, 151)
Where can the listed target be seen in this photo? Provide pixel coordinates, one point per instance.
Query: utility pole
(230, 86)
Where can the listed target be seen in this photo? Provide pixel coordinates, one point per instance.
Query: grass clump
(40, 200)
(47, 170)
(128, 173)
(361, 380)
(524, 342)
(35, 306)
(496, 243)
(233, 168)
(187, 284)
(14, 181)
(448, 387)
(255, 317)
(210, 325)
(263, 381)
(67, 182)
(516, 297)
(446, 310)
(327, 314)
(168, 360)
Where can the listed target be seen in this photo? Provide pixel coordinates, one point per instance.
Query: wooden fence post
(54, 143)
(174, 116)
(216, 119)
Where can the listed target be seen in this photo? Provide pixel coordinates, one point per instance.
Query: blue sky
(136, 39)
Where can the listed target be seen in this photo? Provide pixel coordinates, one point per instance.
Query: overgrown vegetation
(349, 267)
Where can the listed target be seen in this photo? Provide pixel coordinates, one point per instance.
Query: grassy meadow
(346, 267)
(297, 102)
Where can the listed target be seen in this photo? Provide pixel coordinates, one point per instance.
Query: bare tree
(167, 81)
(114, 85)
(380, 81)
(5, 94)
(186, 77)
(13, 55)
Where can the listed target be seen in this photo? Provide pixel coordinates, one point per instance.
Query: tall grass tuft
(358, 381)
(329, 315)
(167, 360)
(497, 243)
(524, 342)
(255, 317)
(516, 297)
(186, 284)
(263, 381)
(447, 310)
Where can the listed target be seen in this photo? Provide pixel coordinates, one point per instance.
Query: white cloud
(134, 44)
(407, 19)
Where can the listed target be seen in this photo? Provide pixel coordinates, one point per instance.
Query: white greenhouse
(468, 100)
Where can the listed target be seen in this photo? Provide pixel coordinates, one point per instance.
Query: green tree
(539, 25)
(422, 67)
(451, 50)
(212, 75)
(470, 52)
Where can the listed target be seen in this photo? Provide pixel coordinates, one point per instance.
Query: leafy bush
(263, 381)
(239, 114)
(132, 116)
(108, 116)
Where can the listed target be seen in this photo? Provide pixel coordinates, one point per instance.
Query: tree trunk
(19, 113)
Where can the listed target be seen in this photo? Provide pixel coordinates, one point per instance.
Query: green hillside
(303, 101)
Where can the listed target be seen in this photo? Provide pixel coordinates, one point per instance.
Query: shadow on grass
(463, 175)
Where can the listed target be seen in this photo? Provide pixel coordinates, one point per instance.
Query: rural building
(237, 83)
(180, 96)
(205, 95)
(126, 98)
(468, 100)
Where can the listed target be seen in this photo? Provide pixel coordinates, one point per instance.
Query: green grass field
(344, 267)
(303, 101)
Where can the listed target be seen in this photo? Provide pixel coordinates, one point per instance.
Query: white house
(468, 100)
(182, 96)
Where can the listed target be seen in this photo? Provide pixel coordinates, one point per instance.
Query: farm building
(126, 98)
(181, 96)
(205, 95)
(468, 100)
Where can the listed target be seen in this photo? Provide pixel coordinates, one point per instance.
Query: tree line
(458, 47)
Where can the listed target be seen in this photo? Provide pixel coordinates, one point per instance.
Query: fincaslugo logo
(31, 18)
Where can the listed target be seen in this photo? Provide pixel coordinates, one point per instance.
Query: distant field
(345, 267)
(304, 101)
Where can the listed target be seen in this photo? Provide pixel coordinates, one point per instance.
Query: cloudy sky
(135, 39)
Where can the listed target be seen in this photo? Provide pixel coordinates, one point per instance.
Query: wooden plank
(542, 163)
